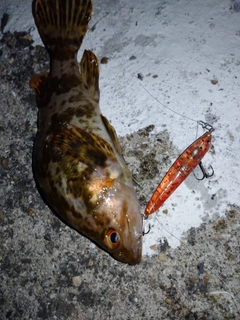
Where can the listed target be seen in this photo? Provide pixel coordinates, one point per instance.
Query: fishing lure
(77, 160)
(179, 171)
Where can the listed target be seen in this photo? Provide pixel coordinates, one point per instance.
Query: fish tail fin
(90, 73)
(62, 24)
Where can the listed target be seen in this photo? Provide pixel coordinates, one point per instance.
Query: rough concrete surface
(49, 271)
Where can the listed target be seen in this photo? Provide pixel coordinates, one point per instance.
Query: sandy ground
(49, 271)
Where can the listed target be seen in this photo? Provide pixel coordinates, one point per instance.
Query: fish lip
(135, 261)
(130, 257)
(130, 261)
(137, 258)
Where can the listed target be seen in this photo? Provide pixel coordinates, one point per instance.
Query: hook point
(204, 172)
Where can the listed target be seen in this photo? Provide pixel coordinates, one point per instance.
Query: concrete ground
(49, 271)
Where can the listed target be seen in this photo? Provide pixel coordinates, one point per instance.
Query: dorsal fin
(90, 73)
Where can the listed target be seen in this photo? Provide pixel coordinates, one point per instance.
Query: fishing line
(111, 25)
(166, 107)
(108, 15)
(203, 124)
(148, 92)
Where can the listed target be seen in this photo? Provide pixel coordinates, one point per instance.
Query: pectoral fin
(112, 133)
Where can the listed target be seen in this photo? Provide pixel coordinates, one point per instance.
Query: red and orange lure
(179, 171)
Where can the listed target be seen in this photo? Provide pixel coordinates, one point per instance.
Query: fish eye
(112, 239)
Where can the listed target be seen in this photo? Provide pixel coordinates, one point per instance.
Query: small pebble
(162, 257)
(76, 281)
(104, 60)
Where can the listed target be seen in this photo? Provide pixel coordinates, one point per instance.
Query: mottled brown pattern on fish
(77, 158)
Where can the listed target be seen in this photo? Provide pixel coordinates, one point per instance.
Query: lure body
(179, 171)
(77, 160)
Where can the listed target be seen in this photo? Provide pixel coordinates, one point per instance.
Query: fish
(179, 171)
(77, 161)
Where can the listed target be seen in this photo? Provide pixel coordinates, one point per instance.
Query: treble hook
(145, 217)
(144, 232)
(205, 173)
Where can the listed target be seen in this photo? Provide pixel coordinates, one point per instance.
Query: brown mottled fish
(77, 160)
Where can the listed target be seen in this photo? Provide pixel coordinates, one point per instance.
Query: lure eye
(196, 153)
(112, 239)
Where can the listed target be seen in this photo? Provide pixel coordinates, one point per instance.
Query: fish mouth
(130, 256)
(135, 261)
(131, 260)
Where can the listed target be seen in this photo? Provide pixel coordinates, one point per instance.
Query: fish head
(118, 210)
(91, 191)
